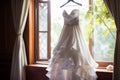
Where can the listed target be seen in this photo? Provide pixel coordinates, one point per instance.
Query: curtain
(20, 12)
(114, 8)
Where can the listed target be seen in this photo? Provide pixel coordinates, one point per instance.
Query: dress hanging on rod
(71, 58)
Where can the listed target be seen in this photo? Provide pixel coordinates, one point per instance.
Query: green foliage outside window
(102, 30)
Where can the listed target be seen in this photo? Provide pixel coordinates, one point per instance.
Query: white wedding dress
(71, 58)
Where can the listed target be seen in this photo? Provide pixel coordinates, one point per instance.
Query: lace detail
(71, 58)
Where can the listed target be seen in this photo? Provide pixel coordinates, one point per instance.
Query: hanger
(71, 1)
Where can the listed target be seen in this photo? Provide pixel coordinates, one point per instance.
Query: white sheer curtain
(20, 12)
(114, 8)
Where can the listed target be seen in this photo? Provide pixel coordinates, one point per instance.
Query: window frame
(37, 48)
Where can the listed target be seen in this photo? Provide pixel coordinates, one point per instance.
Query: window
(104, 33)
(42, 30)
(95, 20)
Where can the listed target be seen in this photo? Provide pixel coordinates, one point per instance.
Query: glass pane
(43, 17)
(43, 45)
(104, 33)
(57, 20)
(104, 44)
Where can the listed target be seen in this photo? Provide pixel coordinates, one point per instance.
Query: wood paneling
(104, 76)
(36, 72)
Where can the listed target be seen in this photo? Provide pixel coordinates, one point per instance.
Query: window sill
(103, 70)
(38, 71)
(37, 65)
(44, 65)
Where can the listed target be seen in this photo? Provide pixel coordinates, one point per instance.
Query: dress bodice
(72, 18)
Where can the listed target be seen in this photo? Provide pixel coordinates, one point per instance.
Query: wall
(7, 38)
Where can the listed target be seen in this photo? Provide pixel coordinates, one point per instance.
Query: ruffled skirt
(66, 64)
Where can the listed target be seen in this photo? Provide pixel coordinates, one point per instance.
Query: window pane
(104, 44)
(43, 45)
(104, 33)
(57, 20)
(43, 17)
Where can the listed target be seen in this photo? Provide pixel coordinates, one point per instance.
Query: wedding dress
(71, 58)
